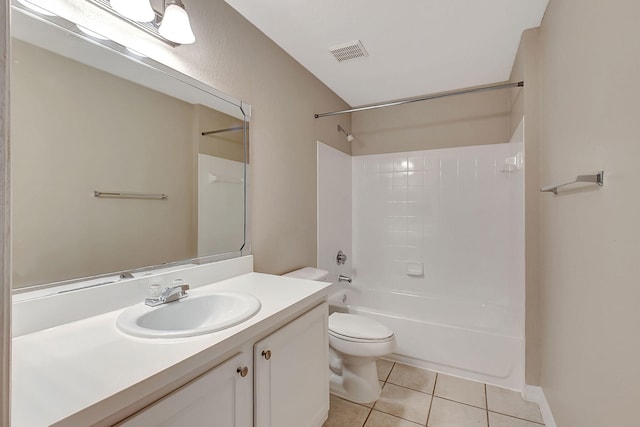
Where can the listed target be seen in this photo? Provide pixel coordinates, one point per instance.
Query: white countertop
(88, 369)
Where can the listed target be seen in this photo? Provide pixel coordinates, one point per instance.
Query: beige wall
(525, 103)
(71, 135)
(235, 57)
(473, 119)
(589, 65)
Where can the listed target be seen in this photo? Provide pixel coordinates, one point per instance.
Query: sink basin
(193, 315)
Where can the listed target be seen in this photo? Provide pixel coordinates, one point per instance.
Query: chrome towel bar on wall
(121, 195)
(595, 178)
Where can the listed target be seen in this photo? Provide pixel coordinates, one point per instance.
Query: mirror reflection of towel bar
(213, 132)
(595, 178)
(119, 195)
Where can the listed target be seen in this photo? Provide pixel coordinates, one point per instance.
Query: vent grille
(349, 51)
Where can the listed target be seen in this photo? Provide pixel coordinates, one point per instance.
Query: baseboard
(536, 394)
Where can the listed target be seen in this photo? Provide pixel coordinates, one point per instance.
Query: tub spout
(342, 278)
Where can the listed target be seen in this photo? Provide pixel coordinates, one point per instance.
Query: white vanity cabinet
(284, 383)
(221, 397)
(291, 373)
(157, 386)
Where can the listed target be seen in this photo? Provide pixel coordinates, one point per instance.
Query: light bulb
(175, 24)
(136, 10)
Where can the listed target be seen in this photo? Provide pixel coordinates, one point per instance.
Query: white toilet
(355, 343)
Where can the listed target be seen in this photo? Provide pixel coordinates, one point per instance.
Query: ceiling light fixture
(171, 24)
(137, 10)
(175, 25)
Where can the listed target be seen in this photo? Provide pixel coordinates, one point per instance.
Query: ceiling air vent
(348, 51)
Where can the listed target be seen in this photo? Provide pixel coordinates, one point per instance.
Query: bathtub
(481, 342)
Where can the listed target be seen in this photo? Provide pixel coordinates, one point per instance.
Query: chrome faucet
(173, 293)
(342, 278)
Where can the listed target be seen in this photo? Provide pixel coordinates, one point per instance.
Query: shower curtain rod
(423, 98)
(211, 132)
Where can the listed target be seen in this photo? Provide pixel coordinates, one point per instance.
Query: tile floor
(414, 397)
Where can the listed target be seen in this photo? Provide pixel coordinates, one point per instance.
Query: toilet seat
(355, 328)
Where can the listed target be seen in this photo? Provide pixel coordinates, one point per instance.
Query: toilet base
(354, 379)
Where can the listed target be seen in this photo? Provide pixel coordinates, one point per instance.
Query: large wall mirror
(120, 165)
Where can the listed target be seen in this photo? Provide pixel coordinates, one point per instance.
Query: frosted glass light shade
(136, 10)
(175, 25)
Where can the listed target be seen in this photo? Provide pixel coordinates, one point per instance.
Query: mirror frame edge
(5, 249)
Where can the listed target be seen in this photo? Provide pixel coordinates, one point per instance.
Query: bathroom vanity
(173, 208)
(270, 370)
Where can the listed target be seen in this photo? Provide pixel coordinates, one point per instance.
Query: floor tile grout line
(394, 416)
(518, 418)
(435, 382)
(389, 373)
(486, 404)
(368, 415)
(462, 403)
(409, 388)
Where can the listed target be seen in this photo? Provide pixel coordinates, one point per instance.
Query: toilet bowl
(355, 343)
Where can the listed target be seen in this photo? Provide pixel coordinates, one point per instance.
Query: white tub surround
(438, 256)
(334, 211)
(88, 372)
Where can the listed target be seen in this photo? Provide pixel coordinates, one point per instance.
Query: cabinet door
(292, 373)
(221, 397)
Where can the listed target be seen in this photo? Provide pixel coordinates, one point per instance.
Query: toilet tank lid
(356, 326)
(309, 273)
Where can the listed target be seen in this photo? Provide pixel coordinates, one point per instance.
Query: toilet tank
(309, 273)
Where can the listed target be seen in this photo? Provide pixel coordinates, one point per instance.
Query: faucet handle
(341, 258)
(179, 283)
(178, 288)
(154, 291)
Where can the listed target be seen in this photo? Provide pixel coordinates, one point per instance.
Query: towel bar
(119, 195)
(595, 178)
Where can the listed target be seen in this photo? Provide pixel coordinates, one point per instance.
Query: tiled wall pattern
(450, 210)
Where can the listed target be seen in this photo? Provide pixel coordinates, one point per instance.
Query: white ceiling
(415, 47)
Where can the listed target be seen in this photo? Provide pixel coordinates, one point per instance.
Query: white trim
(536, 394)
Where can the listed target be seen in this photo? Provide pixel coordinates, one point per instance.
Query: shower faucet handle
(341, 258)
